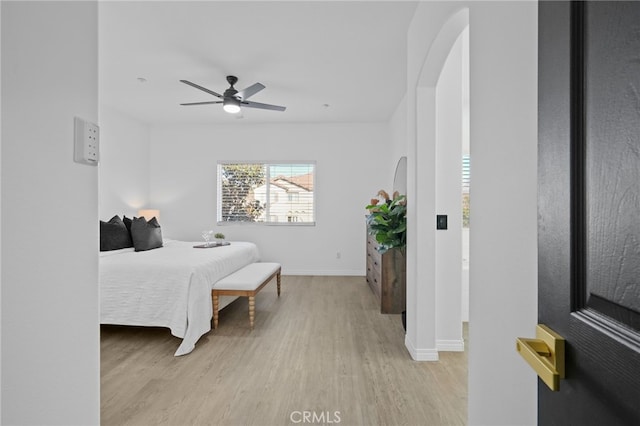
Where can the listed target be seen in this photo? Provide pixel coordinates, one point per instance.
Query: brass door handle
(545, 354)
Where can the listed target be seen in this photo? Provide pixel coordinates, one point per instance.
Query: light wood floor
(322, 347)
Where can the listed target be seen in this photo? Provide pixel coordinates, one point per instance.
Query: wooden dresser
(386, 275)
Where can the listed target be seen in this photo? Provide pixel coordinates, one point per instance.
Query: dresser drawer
(374, 281)
(386, 276)
(374, 260)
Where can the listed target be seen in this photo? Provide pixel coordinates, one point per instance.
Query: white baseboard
(450, 345)
(420, 354)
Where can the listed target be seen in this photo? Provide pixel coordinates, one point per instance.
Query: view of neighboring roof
(303, 181)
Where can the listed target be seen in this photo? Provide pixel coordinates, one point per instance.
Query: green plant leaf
(388, 223)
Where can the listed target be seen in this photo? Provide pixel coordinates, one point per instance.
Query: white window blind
(266, 192)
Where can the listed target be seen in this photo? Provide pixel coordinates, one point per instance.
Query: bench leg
(252, 310)
(278, 278)
(215, 310)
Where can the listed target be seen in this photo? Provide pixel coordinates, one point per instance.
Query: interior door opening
(452, 146)
(466, 178)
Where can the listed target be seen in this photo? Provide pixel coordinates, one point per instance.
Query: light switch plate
(441, 221)
(86, 142)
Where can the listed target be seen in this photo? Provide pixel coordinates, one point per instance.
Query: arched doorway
(431, 322)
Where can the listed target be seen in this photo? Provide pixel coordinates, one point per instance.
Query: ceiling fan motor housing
(230, 93)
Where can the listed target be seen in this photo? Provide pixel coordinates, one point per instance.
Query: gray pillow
(146, 235)
(114, 235)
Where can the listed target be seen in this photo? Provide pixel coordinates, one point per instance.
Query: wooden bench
(245, 282)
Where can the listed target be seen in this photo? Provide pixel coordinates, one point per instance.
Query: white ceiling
(350, 55)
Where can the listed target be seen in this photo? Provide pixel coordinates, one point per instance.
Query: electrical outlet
(86, 142)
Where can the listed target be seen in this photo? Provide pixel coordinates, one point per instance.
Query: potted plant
(220, 237)
(387, 221)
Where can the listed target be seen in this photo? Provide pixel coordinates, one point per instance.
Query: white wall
(124, 164)
(50, 332)
(503, 260)
(0, 216)
(503, 47)
(449, 202)
(351, 166)
(398, 136)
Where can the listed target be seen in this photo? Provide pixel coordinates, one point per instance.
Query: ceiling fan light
(231, 106)
(232, 109)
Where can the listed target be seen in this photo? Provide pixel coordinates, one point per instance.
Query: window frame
(267, 165)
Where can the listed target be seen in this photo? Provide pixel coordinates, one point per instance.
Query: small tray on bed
(212, 245)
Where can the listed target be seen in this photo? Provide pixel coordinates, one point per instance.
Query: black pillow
(127, 223)
(114, 235)
(146, 235)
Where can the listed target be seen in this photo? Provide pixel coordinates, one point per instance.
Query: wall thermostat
(86, 137)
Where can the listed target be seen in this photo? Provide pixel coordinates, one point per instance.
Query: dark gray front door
(589, 208)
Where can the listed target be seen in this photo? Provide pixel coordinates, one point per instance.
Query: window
(266, 193)
(466, 183)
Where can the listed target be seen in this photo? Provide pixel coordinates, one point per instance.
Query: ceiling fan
(232, 99)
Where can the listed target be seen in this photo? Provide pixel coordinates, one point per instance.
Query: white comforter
(167, 287)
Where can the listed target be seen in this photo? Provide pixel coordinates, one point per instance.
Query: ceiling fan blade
(203, 103)
(250, 91)
(204, 89)
(263, 106)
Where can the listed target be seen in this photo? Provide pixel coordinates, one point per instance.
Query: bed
(168, 286)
